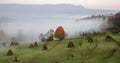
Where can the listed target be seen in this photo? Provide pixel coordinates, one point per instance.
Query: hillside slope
(105, 52)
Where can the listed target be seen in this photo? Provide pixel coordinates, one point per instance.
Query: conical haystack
(90, 39)
(10, 53)
(35, 44)
(44, 47)
(71, 45)
(31, 46)
(108, 38)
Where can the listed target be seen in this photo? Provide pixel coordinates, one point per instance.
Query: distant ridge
(66, 9)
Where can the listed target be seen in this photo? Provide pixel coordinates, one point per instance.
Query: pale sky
(93, 4)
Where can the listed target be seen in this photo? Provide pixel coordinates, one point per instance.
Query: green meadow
(100, 51)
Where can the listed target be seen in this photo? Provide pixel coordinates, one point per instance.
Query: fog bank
(31, 27)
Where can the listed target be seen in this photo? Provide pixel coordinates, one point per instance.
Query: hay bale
(14, 43)
(45, 47)
(108, 38)
(35, 44)
(71, 45)
(31, 46)
(90, 39)
(10, 53)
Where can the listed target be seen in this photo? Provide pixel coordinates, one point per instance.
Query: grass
(59, 53)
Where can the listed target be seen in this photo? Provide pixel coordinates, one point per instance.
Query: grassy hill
(58, 52)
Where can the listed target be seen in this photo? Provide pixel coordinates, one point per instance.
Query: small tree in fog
(41, 36)
(60, 33)
(14, 42)
(50, 35)
(47, 37)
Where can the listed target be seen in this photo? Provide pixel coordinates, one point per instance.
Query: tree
(117, 16)
(41, 36)
(47, 36)
(14, 42)
(60, 33)
(115, 19)
(50, 35)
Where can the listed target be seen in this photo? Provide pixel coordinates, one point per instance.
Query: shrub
(60, 33)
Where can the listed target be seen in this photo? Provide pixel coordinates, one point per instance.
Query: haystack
(10, 53)
(71, 45)
(108, 38)
(31, 46)
(44, 47)
(35, 44)
(90, 39)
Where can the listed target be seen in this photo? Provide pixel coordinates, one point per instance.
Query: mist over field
(32, 20)
(34, 26)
